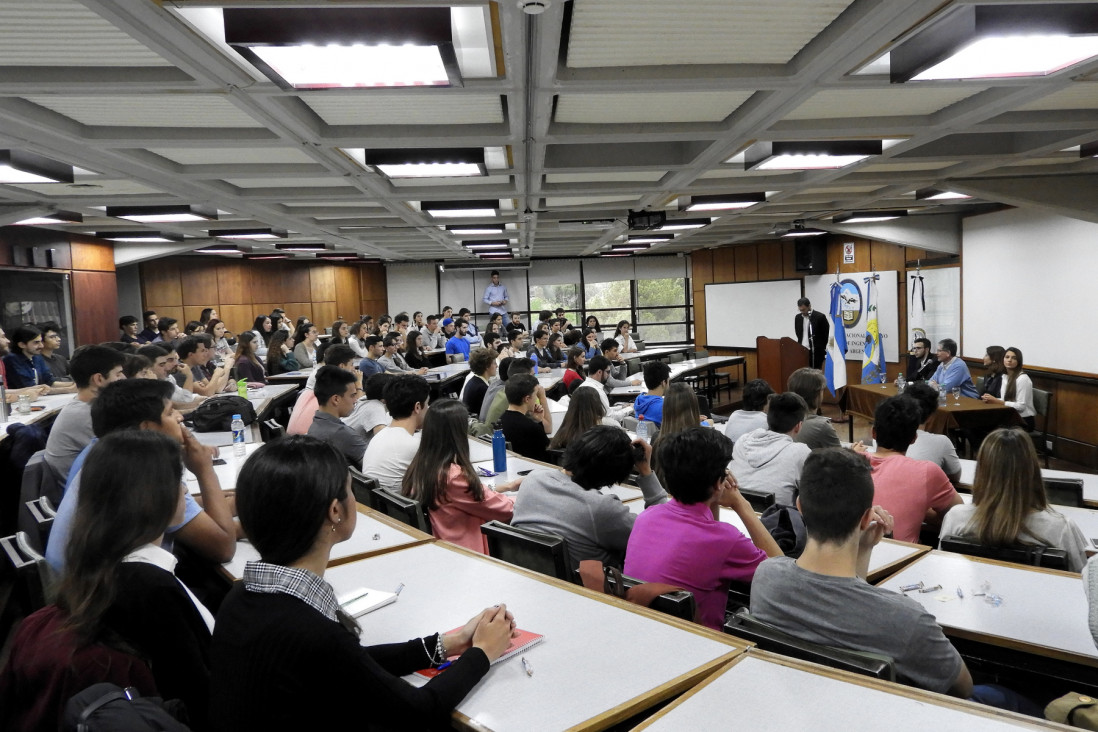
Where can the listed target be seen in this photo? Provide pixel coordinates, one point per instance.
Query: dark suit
(917, 371)
(819, 330)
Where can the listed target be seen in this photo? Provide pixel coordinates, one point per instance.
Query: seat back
(1042, 402)
(1064, 491)
(633, 366)
(38, 481)
(672, 601)
(455, 358)
(1035, 556)
(270, 430)
(363, 487)
(744, 625)
(403, 509)
(534, 550)
(278, 410)
(677, 603)
(760, 500)
(980, 384)
(31, 569)
(676, 358)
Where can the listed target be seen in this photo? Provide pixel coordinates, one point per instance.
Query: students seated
(247, 364)
(264, 330)
(391, 450)
(817, 430)
(143, 404)
(93, 367)
(51, 351)
(683, 542)
(528, 437)
(138, 367)
(120, 590)
(221, 345)
(539, 350)
(442, 478)
(375, 348)
(952, 372)
(433, 338)
(194, 353)
(515, 347)
(618, 374)
(1017, 388)
(573, 367)
(598, 371)
(305, 340)
(495, 399)
(458, 344)
(622, 335)
(128, 326)
(413, 351)
(280, 358)
(285, 655)
(570, 503)
(935, 448)
(165, 363)
(657, 376)
(168, 332)
(301, 417)
(24, 366)
(336, 393)
(920, 362)
(770, 459)
(151, 320)
(993, 375)
(556, 353)
(913, 491)
(482, 370)
(369, 415)
(1009, 505)
(585, 410)
(752, 413)
(392, 361)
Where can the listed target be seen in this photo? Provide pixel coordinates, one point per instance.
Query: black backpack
(111, 708)
(216, 413)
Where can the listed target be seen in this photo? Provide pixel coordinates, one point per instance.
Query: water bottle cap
(235, 416)
(640, 418)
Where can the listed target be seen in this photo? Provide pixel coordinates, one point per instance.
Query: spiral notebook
(525, 640)
(357, 603)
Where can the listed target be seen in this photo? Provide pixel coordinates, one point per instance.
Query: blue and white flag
(835, 362)
(873, 362)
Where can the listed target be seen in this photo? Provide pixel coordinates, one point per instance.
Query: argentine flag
(873, 363)
(835, 363)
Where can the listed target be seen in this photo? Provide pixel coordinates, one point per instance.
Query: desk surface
(52, 404)
(375, 533)
(589, 670)
(824, 700)
(1043, 612)
(1090, 480)
(291, 377)
(226, 474)
(683, 368)
(862, 400)
(657, 352)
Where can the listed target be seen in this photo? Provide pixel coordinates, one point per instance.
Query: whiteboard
(1028, 282)
(736, 313)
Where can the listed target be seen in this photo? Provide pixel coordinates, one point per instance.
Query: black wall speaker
(810, 256)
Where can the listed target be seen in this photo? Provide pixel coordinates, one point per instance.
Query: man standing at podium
(812, 331)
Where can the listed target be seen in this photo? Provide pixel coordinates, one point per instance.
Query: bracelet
(439, 655)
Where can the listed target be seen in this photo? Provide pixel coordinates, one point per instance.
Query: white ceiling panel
(470, 181)
(587, 200)
(287, 182)
(904, 167)
(386, 107)
(149, 110)
(1081, 95)
(99, 188)
(897, 101)
(65, 33)
(231, 155)
(648, 107)
(608, 33)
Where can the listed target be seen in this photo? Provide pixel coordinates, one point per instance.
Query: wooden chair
(403, 509)
(1034, 556)
(744, 625)
(534, 550)
(1042, 405)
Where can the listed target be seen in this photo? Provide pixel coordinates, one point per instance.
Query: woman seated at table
(280, 358)
(442, 478)
(554, 349)
(413, 350)
(626, 344)
(221, 346)
(585, 410)
(1016, 388)
(573, 367)
(680, 412)
(1009, 505)
(248, 366)
(285, 655)
(355, 335)
(592, 323)
(993, 378)
(590, 343)
(264, 331)
(119, 601)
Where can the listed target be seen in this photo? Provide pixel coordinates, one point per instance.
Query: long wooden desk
(51, 404)
(968, 413)
(602, 659)
(683, 369)
(375, 533)
(786, 694)
(1043, 612)
(1090, 480)
(296, 378)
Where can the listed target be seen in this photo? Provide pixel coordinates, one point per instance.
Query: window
(662, 313)
(551, 297)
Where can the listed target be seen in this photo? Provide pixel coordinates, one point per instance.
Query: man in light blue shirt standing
(495, 296)
(952, 372)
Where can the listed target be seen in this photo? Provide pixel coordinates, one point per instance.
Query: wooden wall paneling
(198, 281)
(194, 312)
(1073, 409)
(701, 266)
(264, 308)
(914, 254)
(237, 318)
(296, 283)
(95, 319)
(262, 282)
(92, 255)
(373, 308)
(166, 311)
(747, 263)
(296, 309)
(884, 256)
(724, 264)
(346, 293)
(373, 288)
(322, 283)
(160, 285)
(862, 262)
(323, 314)
(789, 261)
(230, 284)
(699, 319)
(770, 261)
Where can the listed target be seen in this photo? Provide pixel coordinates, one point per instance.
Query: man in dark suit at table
(812, 328)
(921, 363)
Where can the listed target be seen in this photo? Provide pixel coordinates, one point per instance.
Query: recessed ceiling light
(474, 229)
(794, 233)
(302, 247)
(143, 235)
(937, 194)
(487, 245)
(866, 217)
(648, 239)
(19, 166)
(809, 154)
(57, 217)
(260, 233)
(428, 163)
(461, 209)
(724, 202)
(684, 224)
(220, 249)
(163, 214)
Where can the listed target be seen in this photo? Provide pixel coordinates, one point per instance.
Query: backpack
(786, 525)
(111, 708)
(216, 414)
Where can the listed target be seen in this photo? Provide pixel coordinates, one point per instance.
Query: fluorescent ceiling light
(473, 229)
(261, 233)
(809, 155)
(793, 233)
(629, 247)
(57, 217)
(866, 217)
(649, 239)
(428, 163)
(616, 254)
(998, 41)
(18, 166)
(724, 202)
(348, 256)
(267, 255)
(937, 194)
(486, 245)
(302, 247)
(162, 214)
(154, 237)
(493, 255)
(461, 209)
(334, 47)
(219, 249)
(684, 224)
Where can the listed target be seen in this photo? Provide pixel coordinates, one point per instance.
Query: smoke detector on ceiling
(533, 7)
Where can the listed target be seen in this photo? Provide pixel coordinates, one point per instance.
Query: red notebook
(525, 640)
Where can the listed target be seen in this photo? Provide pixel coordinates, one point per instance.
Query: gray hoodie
(769, 461)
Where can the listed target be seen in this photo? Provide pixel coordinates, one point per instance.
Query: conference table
(820, 699)
(965, 413)
(602, 660)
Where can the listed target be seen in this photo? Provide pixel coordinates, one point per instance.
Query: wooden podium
(778, 359)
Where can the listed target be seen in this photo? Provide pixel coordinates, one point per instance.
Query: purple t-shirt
(683, 545)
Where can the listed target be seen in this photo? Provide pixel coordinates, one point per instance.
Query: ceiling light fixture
(794, 233)
(428, 163)
(724, 202)
(174, 213)
(487, 245)
(221, 249)
(649, 239)
(57, 217)
(867, 217)
(998, 41)
(260, 233)
(474, 229)
(18, 166)
(340, 256)
(809, 154)
(684, 224)
(938, 194)
(266, 255)
(144, 235)
(302, 247)
(322, 48)
(1089, 150)
(496, 255)
(461, 209)
(631, 247)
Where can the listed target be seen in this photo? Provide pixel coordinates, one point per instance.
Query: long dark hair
(445, 441)
(585, 410)
(411, 343)
(680, 412)
(244, 347)
(995, 354)
(124, 504)
(274, 351)
(302, 329)
(257, 326)
(574, 353)
(553, 348)
(336, 338)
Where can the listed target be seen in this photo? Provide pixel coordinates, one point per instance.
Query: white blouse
(1023, 394)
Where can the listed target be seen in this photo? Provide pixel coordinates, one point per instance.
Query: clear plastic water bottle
(238, 436)
(499, 451)
(941, 395)
(901, 382)
(642, 429)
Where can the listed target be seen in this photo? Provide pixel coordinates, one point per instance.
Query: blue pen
(443, 666)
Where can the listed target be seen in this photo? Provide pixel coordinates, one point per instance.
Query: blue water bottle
(534, 358)
(499, 451)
